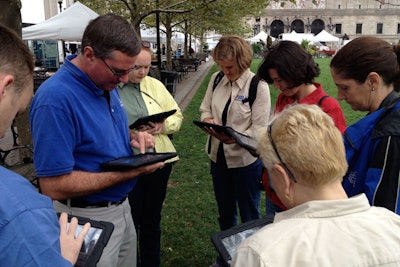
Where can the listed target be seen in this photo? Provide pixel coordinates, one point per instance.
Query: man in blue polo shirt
(78, 121)
(29, 232)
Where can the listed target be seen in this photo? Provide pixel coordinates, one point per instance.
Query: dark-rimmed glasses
(120, 73)
(277, 154)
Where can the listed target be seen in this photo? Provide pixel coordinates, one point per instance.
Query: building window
(358, 28)
(338, 7)
(398, 28)
(379, 28)
(338, 28)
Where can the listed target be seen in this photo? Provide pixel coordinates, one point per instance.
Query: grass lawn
(190, 211)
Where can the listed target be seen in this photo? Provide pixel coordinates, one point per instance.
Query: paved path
(187, 88)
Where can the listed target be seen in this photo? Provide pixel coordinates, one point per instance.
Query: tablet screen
(88, 245)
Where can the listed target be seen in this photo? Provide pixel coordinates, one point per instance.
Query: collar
(390, 99)
(325, 208)
(81, 76)
(240, 82)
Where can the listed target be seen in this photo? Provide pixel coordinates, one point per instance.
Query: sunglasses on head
(291, 176)
(145, 44)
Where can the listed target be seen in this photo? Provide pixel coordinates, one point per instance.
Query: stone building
(342, 18)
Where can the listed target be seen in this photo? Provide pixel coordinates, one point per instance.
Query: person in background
(292, 70)
(78, 122)
(366, 73)
(29, 232)
(142, 96)
(304, 153)
(235, 172)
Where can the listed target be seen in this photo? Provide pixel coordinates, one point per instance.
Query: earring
(373, 89)
(288, 197)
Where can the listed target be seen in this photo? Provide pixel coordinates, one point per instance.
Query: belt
(81, 203)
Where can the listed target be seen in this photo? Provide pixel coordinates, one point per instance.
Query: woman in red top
(292, 70)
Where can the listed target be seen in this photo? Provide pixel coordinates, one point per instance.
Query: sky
(32, 11)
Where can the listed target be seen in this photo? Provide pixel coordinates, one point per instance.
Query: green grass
(190, 212)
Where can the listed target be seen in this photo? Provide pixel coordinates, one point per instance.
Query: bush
(257, 49)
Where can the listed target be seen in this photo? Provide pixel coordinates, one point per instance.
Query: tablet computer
(96, 239)
(242, 139)
(151, 118)
(216, 127)
(135, 161)
(227, 241)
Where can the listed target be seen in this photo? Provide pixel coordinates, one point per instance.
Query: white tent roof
(67, 26)
(297, 37)
(325, 36)
(150, 35)
(261, 36)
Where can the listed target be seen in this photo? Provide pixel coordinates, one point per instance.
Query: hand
(221, 136)
(142, 140)
(152, 127)
(71, 244)
(146, 169)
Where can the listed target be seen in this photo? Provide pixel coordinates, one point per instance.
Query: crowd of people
(333, 189)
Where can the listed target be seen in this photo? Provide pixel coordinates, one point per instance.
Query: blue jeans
(237, 187)
(146, 201)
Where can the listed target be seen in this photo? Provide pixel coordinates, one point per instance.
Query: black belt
(81, 203)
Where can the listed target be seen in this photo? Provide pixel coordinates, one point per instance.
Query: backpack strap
(217, 79)
(322, 99)
(252, 90)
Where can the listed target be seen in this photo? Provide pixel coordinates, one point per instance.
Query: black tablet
(135, 161)
(216, 127)
(242, 139)
(151, 118)
(96, 239)
(227, 241)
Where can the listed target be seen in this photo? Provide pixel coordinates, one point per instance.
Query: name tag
(240, 98)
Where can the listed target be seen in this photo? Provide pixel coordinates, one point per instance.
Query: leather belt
(81, 203)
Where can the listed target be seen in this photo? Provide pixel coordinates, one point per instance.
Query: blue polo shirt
(74, 127)
(29, 229)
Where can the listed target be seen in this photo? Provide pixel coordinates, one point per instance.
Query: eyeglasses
(117, 74)
(279, 157)
(145, 44)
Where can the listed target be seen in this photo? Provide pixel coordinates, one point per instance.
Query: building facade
(342, 18)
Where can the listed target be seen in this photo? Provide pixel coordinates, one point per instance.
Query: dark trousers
(237, 188)
(146, 201)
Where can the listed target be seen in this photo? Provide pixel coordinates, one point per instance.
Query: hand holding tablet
(132, 162)
(243, 140)
(95, 240)
(151, 118)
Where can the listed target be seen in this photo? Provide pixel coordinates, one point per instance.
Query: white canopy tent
(297, 37)
(325, 36)
(66, 26)
(261, 36)
(150, 35)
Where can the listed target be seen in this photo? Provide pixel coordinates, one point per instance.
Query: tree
(191, 17)
(10, 16)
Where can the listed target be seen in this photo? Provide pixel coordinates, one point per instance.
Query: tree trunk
(10, 16)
